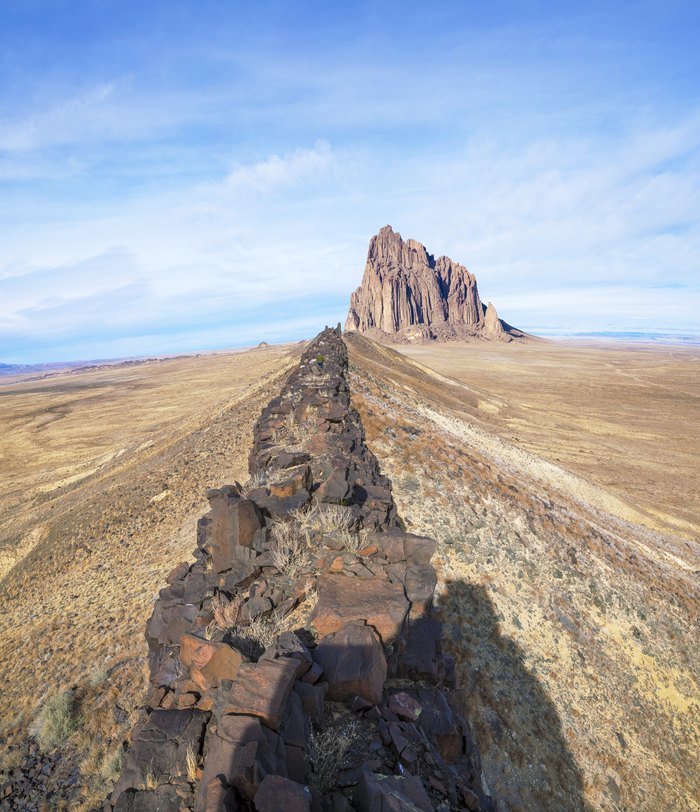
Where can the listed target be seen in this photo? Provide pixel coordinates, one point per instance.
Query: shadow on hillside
(524, 752)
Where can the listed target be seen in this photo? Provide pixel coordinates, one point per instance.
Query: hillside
(576, 631)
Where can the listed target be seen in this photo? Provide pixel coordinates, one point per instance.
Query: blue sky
(190, 175)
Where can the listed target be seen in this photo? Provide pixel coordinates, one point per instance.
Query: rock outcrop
(297, 664)
(407, 295)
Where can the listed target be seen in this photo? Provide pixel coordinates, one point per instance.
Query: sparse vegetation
(191, 764)
(226, 610)
(111, 766)
(252, 639)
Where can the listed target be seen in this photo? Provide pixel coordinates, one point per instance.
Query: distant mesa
(262, 345)
(408, 296)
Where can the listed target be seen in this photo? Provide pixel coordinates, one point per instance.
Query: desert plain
(560, 481)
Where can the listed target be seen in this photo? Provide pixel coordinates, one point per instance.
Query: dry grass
(325, 519)
(226, 611)
(56, 720)
(621, 416)
(191, 763)
(292, 554)
(253, 638)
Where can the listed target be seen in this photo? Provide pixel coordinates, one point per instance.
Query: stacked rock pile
(297, 664)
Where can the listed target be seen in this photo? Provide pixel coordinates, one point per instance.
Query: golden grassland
(575, 630)
(623, 416)
(103, 479)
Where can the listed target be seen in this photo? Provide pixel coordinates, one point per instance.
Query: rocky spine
(297, 664)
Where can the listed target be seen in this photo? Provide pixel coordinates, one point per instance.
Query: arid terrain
(575, 630)
(103, 478)
(622, 416)
(558, 481)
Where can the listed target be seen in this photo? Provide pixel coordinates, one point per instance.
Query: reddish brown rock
(195, 651)
(407, 295)
(260, 689)
(277, 793)
(224, 664)
(405, 706)
(382, 604)
(234, 522)
(353, 662)
(296, 479)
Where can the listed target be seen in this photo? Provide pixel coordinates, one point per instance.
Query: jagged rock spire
(406, 295)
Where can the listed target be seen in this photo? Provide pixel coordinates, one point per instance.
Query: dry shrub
(226, 611)
(259, 634)
(326, 519)
(327, 750)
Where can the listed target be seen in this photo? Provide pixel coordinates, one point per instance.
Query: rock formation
(407, 295)
(297, 664)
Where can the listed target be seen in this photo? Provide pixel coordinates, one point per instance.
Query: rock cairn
(297, 664)
(407, 295)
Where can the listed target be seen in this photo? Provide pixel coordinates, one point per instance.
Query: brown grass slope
(97, 507)
(575, 630)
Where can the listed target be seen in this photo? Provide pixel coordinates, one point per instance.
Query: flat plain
(623, 416)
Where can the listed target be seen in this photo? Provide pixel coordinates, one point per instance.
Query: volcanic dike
(297, 663)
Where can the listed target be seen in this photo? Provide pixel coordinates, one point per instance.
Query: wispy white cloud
(277, 172)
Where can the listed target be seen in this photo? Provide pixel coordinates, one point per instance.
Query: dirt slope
(85, 554)
(576, 631)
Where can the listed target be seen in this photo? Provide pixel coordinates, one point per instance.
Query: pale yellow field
(624, 417)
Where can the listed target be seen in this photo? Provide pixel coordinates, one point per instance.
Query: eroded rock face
(407, 295)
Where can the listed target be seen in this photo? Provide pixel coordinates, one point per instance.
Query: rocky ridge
(407, 296)
(297, 663)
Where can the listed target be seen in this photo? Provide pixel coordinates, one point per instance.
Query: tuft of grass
(327, 750)
(259, 634)
(191, 763)
(292, 553)
(326, 518)
(111, 766)
(56, 721)
(226, 611)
